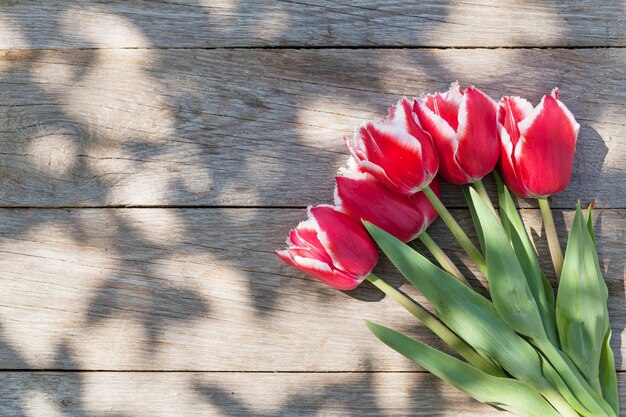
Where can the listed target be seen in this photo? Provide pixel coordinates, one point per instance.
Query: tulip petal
(511, 111)
(444, 138)
(478, 149)
(545, 152)
(305, 236)
(345, 240)
(446, 105)
(387, 151)
(319, 270)
(361, 196)
(401, 114)
(507, 164)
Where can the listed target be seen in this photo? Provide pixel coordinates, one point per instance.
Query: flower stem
(441, 257)
(553, 240)
(456, 230)
(430, 321)
(482, 192)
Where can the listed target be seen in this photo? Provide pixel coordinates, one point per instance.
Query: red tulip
(362, 196)
(537, 145)
(463, 126)
(398, 152)
(331, 247)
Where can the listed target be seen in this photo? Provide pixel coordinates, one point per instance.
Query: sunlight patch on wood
(63, 284)
(38, 404)
(88, 25)
(525, 24)
(11, 35)
(125, 341)
(272, 26)
(54, 152)
(324, 121)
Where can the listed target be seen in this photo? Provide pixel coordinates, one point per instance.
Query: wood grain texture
(262, 127)
(200, 289)
(226, 23)
(222, 394)
(81, 394)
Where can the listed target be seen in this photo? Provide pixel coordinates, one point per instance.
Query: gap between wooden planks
(200, 289)
(262, 127)
(227, 23)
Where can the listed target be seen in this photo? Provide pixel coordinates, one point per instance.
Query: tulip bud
(331, 247)
(362, 196)
(463, 126)
(398, 152)
(537, 145)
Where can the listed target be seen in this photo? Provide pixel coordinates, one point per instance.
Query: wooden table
(154, 153)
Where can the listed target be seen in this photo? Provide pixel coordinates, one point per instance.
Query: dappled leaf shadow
(206, 128)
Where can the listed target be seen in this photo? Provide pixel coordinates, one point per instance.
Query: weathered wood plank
(81, 394)
(249, 127)
(200, 289)
(209, 23)
(240, 394)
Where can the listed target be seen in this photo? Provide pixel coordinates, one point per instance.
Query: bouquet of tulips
(521, 349)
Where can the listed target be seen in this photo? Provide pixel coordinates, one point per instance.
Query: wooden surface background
(154, 153)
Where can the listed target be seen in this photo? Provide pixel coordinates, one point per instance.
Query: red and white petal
(402, 115)
(445, 141)
(322, 272)
(545, 152)
(284, 255)
(364, 197)
(478, 149)
(511, 111)
(507, 164)
(398, 154)
(346, 241)
(306, 237)
(446, 105)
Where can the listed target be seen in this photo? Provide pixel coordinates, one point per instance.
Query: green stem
(456, 230)
(553, 240)
(583, 391)
(430, 321)
(441, 257)
(482, 192)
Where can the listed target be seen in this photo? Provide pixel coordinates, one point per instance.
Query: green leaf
(472, 209)
(506, 393)
(608, 376)
(590, 225)
(540, 287)
(581, 305)
(464, 311)
(508, 285)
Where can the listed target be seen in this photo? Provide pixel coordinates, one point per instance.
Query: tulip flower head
(537, 145)
(397, 151)
(363, 197)
(331, 247)
(463, 126)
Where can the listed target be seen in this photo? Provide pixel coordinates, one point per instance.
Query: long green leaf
(472, 209)
(467, 313)
(506, 393)
(581, 304)
(508, 285)
(539, 285)
(608, 376)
